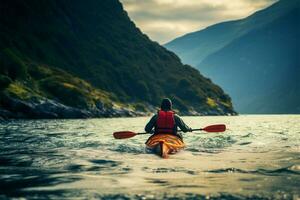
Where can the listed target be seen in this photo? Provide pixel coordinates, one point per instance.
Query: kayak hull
(164, 144)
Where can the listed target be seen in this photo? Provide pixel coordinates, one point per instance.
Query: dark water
(257, 158)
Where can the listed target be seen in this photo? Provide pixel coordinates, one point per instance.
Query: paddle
(129, 134)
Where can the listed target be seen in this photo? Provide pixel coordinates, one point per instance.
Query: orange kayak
(164, 144)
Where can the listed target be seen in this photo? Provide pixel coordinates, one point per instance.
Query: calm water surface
(257, 157)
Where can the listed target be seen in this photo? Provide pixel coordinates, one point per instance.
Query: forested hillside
(87, 58)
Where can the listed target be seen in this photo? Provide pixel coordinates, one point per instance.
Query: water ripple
(294, 169)
(79, 159)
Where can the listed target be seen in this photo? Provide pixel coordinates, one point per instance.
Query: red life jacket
(165, 122)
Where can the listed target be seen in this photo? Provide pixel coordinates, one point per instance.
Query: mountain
(255, 60)
(66, 59)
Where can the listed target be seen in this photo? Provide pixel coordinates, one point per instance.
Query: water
(258, 157)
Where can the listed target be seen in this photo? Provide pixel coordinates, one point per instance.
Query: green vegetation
(12, 65)
(211, 102)
(57, 84)
(18, 90)
(4, 81)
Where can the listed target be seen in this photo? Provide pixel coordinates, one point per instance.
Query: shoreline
(44, 108)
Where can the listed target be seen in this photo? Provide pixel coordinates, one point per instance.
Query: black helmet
(166, 104)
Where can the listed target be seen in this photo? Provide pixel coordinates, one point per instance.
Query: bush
(12, 65)
(4, 81)
(65, 92)
(140, 107)
(18, 90)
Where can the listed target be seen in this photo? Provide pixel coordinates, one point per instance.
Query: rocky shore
(49, 109)
(43, 108)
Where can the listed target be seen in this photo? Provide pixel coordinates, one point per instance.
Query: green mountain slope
(258, 65)
(93, 46)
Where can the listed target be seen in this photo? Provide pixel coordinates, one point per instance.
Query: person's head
(166, 104)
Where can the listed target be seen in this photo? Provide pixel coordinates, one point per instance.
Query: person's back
(166, 121)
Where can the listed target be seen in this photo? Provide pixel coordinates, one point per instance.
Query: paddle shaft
(197, 129)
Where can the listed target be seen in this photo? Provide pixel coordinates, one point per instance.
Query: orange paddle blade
(124, 134)
(215, 128)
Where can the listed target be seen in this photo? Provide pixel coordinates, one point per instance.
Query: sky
(164, 20)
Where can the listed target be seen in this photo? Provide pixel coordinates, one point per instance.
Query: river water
(258, 157)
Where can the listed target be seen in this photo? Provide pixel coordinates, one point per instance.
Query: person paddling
(166, 121)
(166, 139)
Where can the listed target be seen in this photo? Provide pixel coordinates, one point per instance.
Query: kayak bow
(164, 144)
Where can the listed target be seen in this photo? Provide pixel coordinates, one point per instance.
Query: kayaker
(166, 121)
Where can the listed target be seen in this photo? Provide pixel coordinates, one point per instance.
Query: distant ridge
(255, 60)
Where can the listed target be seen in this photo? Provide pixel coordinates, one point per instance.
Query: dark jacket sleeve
(179, 122)
(151, 124)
